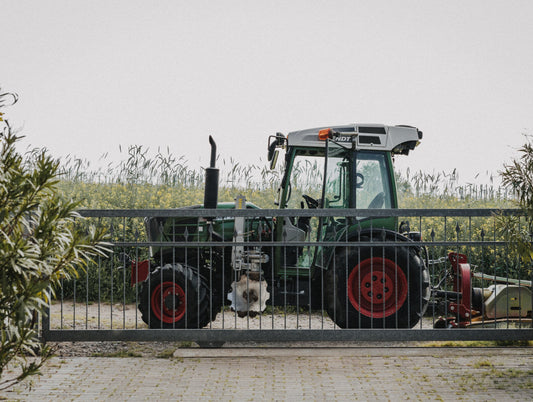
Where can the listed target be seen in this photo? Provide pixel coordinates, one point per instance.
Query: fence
(301, 275)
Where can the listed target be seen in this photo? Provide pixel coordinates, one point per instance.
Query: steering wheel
(360, 180)
(311, 202)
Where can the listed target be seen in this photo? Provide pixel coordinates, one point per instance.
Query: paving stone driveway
(292, 374)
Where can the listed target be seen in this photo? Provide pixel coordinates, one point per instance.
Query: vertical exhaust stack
(211, 179)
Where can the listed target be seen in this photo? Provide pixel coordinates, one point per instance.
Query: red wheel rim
(377, 287)
(168, 302)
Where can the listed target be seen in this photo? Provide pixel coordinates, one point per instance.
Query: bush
(41, 242)
(519, 176)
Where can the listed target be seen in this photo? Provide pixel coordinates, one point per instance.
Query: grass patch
(482, 363)
(166, 354)
(476, 344)
(521, 343)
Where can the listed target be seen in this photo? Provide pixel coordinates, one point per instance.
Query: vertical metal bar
(45, 319)
(371, 272)
(124, 276)
(421, 307)
(396, 293)
(529, 220)
(409, 295)
(470, 254)
(136, 280)
(98, 267)
(160, 284)
(495, 253)
(297, 290)
(322, 284)
(284, 238)
(62, 299)
(459, 277)
(223, 280)
(174, 264)
(359, 318)
(432, 276)
(483, 251)
(273, 285)
(99, 289)
(87, 293)
(186, 258)
(74, 306)
(383, 320)
(259, 229)
(446, 301)
(519, 270)
(111, 278)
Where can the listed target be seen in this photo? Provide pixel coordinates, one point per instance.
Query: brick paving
(290, 374)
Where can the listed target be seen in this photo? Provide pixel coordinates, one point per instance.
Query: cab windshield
(353, 179)
(356, 179)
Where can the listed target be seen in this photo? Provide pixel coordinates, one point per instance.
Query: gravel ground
(69, 315)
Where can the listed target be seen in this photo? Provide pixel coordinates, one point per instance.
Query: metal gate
(317, 284)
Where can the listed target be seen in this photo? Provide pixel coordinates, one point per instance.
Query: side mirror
(271, 150)
(273, 159)
(273, 142)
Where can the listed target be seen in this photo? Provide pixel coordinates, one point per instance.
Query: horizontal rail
(350, 212)
(290, 335)
(193, 244)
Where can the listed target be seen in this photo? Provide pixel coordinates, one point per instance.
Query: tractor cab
(338, 167)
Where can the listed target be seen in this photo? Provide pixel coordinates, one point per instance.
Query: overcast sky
(94, 75)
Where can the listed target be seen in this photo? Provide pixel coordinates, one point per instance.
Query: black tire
(175, 296)
(380, 287)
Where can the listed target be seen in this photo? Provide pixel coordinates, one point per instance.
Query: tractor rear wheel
(175, 296)
(380, 287)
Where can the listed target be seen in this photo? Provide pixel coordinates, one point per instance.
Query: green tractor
(358, 284)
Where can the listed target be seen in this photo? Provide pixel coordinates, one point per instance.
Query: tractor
(358, 286)
(364, 271)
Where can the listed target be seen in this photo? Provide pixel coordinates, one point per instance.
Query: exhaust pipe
(211, 179)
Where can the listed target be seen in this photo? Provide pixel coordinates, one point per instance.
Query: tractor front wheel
(175, 296)
(380, 287)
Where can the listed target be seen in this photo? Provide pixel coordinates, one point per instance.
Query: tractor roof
(396, 139)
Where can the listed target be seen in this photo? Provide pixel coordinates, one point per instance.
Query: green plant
(518, 175)
(41, 242)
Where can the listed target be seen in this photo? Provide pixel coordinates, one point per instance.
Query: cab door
(337, 193)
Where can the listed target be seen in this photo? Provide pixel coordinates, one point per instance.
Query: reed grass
(145, 179)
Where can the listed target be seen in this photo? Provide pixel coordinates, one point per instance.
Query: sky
(94, 77)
